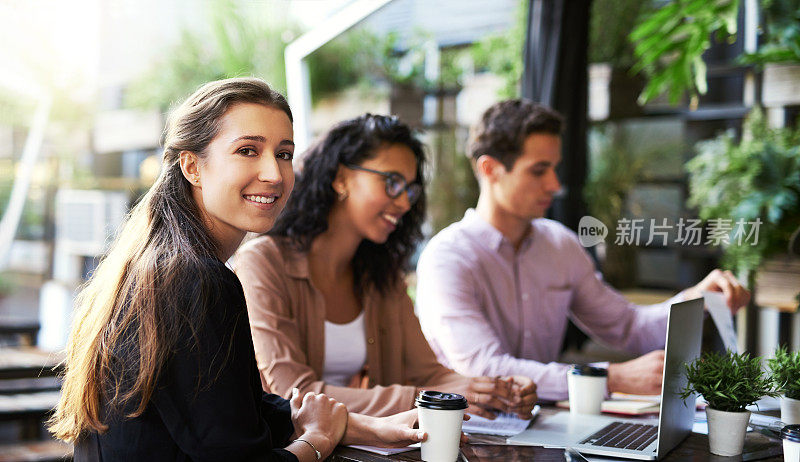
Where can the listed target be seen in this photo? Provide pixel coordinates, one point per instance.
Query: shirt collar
(490, 236)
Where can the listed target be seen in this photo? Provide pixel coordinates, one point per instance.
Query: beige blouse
(287, 320)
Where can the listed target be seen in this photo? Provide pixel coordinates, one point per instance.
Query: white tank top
(345, 351)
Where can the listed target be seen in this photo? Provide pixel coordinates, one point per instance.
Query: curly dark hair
(505, 125)
(306, 214)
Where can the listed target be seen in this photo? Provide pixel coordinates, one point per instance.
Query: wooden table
(693, 449)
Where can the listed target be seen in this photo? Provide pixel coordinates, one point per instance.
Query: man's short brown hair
(505, 125)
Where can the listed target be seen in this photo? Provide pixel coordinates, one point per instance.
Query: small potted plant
(785, 368)
(728, 382)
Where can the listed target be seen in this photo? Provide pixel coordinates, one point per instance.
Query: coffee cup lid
(791, 433)
(443, 401)
(579, 369)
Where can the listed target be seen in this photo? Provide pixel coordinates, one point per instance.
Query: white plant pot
(790, 410)
(726, 431)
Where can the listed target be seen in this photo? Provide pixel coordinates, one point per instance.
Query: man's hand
(524, 396)
(640, 376)
(736, 296)
(488, 395)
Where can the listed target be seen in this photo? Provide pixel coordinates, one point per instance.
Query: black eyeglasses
(395, 183)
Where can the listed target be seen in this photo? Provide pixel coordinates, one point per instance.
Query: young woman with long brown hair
(160, 362)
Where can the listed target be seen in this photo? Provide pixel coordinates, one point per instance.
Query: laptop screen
(684, 334)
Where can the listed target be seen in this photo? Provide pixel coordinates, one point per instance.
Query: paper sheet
(721, 314)
(503, 425)
(767, 403)
(384, 451)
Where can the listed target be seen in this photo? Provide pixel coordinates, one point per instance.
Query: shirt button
(370, 340)
(524, 296)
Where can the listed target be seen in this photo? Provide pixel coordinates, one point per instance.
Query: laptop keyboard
(624, 436)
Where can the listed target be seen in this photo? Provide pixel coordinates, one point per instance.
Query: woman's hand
(395, 431)
(318, 419)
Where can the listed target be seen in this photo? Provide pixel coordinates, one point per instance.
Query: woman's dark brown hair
(130, 304)
(305, 217)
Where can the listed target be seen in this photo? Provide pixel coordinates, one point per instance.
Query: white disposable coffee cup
(791, 443)
(440, 416)
(587, 389)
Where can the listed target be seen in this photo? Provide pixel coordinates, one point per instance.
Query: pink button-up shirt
(488, 310)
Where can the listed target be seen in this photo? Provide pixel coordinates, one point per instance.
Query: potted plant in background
(755, 179)
(728, 382)
(785, 368)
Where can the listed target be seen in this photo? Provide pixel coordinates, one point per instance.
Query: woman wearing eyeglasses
(328, 306)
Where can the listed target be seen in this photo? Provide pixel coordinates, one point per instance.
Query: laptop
(642, 439)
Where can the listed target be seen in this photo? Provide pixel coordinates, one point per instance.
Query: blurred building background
(107, 72)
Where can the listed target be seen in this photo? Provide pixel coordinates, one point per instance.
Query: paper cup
(790, 410)
(791, 443)
(440, 416)
(587, 388)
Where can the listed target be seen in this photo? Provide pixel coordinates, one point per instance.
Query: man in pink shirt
(495, 289)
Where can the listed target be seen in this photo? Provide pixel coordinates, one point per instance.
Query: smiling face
(370, 212)
(527, 190)
(246, 176)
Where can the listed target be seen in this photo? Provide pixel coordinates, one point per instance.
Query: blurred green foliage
(31, 223)
(15, 111)
(610, 23)
(670, 42)
(453, 187)
(785, 368)
(6, 285)
(502, 54)
(361, 58)
(781, 34)
(238, 45)
(614, 171)
(756, 178)
(671, 39)
(618, 161)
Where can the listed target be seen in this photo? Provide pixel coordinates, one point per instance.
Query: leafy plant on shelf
(753, 179)
(671, 40)
(670, 43)
(785, 368)
(727, 381)
(780, 40)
